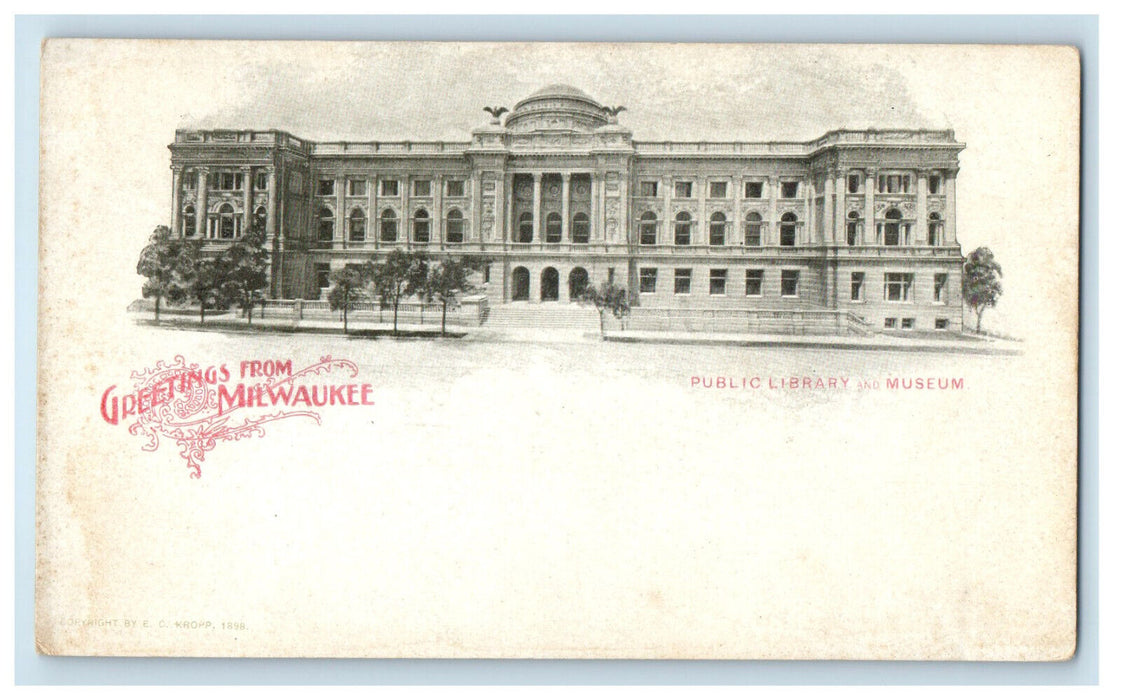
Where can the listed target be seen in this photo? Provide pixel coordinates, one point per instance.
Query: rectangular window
(717, 282)
(226, 181)
(941, 324)
(940, 281)
(647, 280)
(648, 188)
(897, 286)
(857, 289)
(388, 188)
(718, 190)
(790, 283)
(261, 180)
(889, 323)
(893, 184)
(854, 183)
(908, 324)
(934, 184)
(325, 188)
(790, 190)
(682, 280)
(754, 283)
(683, 190)
(753, 190)
(356, 188)
(323, 275)
(455, 188)
(422, 188)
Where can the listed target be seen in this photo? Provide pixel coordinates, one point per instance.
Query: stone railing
(757, 321)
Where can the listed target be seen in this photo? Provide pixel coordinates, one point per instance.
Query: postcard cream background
(533, 509)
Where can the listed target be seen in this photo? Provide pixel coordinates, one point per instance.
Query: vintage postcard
(558, 350)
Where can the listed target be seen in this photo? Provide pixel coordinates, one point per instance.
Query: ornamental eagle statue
(613, 113)
(495, 113)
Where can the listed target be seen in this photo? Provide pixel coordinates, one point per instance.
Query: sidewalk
(954, 343)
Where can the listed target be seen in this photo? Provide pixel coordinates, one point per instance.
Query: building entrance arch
(577, 283)
(550, 284)
(519, 284)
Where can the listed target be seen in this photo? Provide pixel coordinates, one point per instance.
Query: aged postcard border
(1088, 480)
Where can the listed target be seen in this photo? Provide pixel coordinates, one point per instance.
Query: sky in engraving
(1004, 103)
(683, 92)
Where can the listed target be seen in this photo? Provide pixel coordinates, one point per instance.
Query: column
(202, 211)
(565, 178)
(406, 232)
(827, 227)
(270, 220)
(537, 207)
(737, 212)
(869, 208)
(597, 227)
(247, 206)
(950, 215)
(438, 214)
(508, 200)
(176, 190)
(810, 200)
(665, 235)
(839, 209)
(920, 232)
(770, 233)
(475, 197)
(625, 208)
(702, 214)
(373, 232)
(340, 210)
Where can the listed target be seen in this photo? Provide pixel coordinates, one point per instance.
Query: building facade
(557, 195)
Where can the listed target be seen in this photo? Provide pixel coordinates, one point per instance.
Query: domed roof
(560, 90)
(556, 107)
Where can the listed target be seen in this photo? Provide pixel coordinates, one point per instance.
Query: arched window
(421, 226)
(260, 219)
(934, 229)
(581, 228)
(852, 228)
(893, 230)
(189, 221)
(226, 226)
(455, 226)
(553, 228)
(788, 229)
(682, 228)
(716, 229)
(357, 225)
(753, 229)
(326, 224)
(525, 228)
(388, 226)
(648, 229)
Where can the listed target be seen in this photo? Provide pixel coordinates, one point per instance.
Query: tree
(444, 284)
(980, 283)
(243, 269)
(403, 274)
(205, 278)
(348, 287)
(608, 297)
(166, 265)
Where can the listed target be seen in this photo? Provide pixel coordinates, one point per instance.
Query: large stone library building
(557, 195)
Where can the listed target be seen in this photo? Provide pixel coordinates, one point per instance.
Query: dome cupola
(557, 108)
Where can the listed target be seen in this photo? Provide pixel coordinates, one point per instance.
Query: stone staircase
(520, 314)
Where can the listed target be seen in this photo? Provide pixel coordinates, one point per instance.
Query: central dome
(561, 90)
(557, 108)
